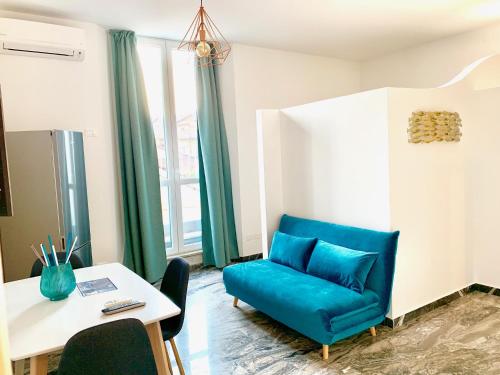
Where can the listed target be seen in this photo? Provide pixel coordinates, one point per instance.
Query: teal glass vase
(57, 282)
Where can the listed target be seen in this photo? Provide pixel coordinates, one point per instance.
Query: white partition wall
(483, 187)
(326, 160)
(270, 173)
(427, 202)
(335, 160)
(347, 160)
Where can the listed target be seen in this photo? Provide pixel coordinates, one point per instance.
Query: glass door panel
(184, 90)
(191, 213)
(183, 70)
(151, 57)
(170, 82)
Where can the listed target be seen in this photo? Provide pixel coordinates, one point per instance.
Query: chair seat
(166, 330)
(297, 299)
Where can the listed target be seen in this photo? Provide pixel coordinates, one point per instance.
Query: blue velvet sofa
(319, 309)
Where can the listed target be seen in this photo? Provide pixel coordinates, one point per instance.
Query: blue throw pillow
(291, 251)
(341, 265)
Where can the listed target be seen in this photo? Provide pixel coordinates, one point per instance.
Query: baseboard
(397, 322)
(195, 260)
(249, 258)
(485, 289)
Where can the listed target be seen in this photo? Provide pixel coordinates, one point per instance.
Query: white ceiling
(352, 29)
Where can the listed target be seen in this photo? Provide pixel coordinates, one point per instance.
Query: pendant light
(205, 39)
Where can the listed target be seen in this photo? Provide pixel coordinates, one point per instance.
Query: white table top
(38, 326)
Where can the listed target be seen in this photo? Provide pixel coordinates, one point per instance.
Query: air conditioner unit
(27, 38)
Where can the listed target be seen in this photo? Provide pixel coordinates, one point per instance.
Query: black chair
(174, 285)
(76, 262)
(121, 347)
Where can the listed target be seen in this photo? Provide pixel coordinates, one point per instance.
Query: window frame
(174, 180)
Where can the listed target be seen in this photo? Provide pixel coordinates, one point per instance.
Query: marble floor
(462, 337)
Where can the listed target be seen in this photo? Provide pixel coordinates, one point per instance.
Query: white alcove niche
(348, 160)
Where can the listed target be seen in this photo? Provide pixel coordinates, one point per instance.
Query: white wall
(270, 174)
(432, 64)
(265, 78)
(336, 162)
(41, 93)
(326, 160)
(486, 75)
(483, 187)
(428, 202)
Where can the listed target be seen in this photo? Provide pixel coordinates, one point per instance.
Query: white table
(38, 326)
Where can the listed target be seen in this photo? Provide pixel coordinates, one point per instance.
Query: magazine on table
(91, 287)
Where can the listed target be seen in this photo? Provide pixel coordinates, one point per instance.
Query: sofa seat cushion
(304, 302)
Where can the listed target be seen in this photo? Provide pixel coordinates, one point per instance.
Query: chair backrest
(381, 275)
(76, 262)
(121, 347)
(174, 285)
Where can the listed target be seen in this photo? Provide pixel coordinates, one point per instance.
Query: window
(169, 77)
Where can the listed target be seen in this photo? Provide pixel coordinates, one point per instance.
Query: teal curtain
(217, 214)
(144, 244)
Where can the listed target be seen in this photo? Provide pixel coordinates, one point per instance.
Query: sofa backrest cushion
(343, 266)
(384, 243)
(291, 251)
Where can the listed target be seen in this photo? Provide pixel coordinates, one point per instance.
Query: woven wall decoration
(426, 127)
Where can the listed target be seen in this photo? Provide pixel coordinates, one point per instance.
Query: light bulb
(203, 49)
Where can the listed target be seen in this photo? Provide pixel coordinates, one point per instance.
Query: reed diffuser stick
(54, 253)
(69, 240)
(72, 248)
(38, 255)
(45, 255)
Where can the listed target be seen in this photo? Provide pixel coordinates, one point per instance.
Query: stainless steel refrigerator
(49, 196)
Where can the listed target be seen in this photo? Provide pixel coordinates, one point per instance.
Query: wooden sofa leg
(235, 302)
(325, 352)
(373, 331)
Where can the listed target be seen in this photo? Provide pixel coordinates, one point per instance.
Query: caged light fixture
(205, 38)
